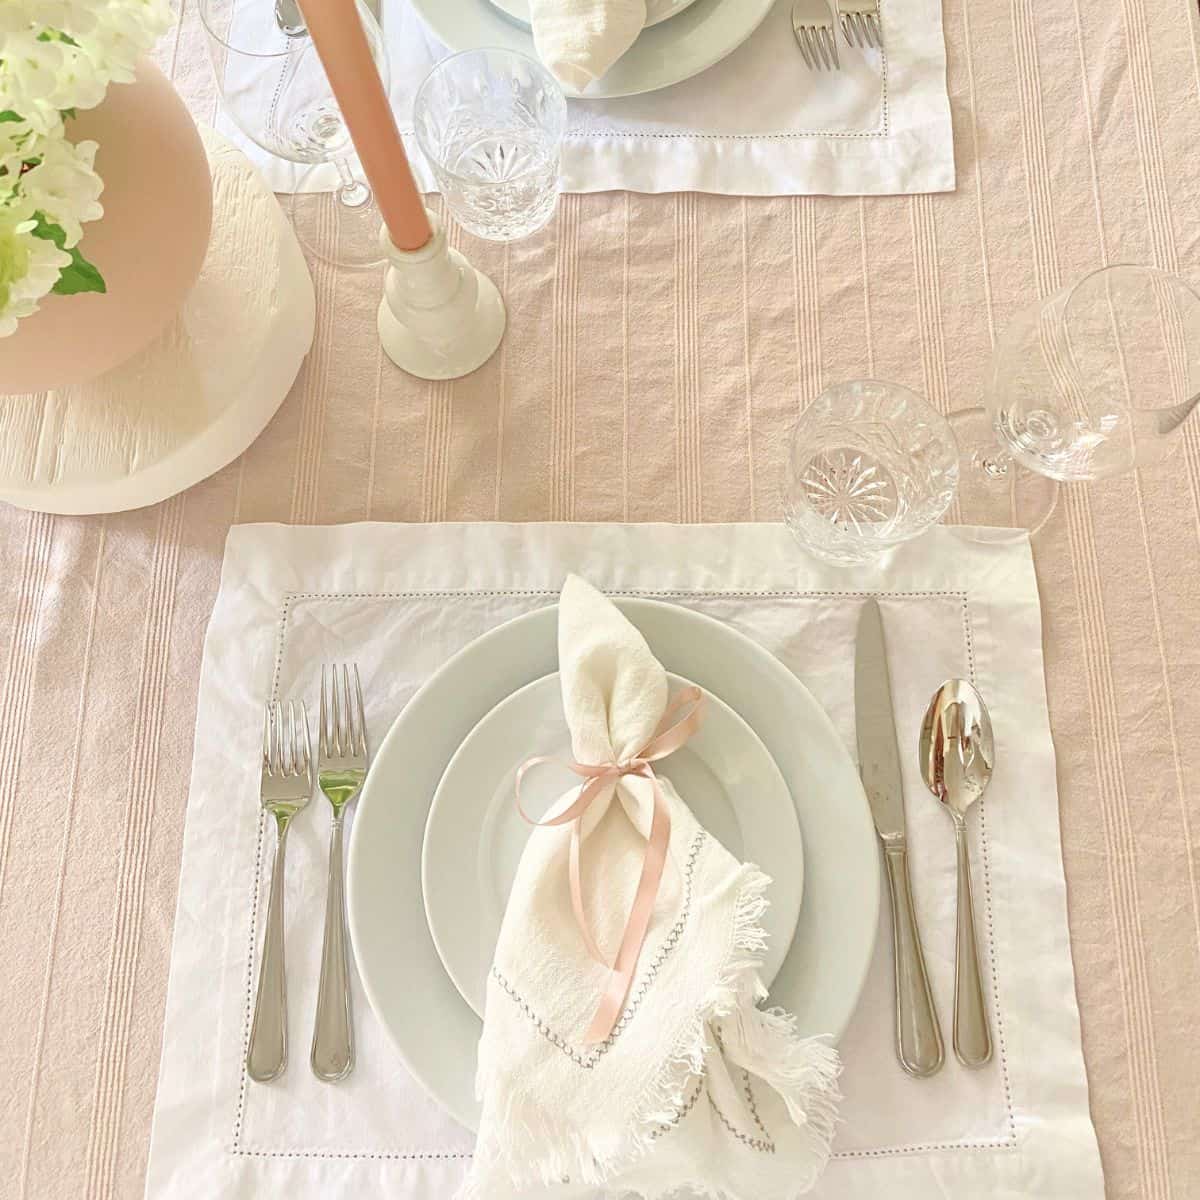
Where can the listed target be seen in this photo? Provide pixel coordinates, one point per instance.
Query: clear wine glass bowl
(272, 82)
(1088, 383)
(490, 122)
(870, 465)
(275, 90)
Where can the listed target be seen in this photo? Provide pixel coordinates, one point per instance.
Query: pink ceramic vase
(149, 245)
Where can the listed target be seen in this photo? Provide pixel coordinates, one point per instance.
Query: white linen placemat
(400, 599)
(758, 123)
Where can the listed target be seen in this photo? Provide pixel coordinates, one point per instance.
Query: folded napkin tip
(573, 79)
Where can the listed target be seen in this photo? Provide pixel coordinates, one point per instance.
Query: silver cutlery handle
(333, 1033)
(972, 1035)
(918, 1039)
(267, 1055)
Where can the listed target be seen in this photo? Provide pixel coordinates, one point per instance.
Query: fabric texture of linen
(682, 1092)
(578, 40)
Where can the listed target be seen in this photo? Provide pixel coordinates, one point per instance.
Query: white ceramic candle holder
(439, 318)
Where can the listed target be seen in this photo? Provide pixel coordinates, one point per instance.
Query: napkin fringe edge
(804, 1071)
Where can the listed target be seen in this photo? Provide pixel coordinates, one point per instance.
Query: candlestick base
(440, 318)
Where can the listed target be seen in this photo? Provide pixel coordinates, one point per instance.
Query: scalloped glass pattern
(870, 465)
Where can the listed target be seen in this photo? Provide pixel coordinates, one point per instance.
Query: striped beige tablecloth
(657, 349)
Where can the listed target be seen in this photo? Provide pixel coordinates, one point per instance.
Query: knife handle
(918, 1039)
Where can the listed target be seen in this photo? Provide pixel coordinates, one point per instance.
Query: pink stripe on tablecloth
(19, 672)
(140, 798)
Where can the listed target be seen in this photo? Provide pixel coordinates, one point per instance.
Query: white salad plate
(475, 835)
(669, 53)
(432, 1026)
(657, 11)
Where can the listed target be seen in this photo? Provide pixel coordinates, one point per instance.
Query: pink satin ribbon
(668, 737)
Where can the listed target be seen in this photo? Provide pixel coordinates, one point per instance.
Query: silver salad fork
(285, 788)
(341, 770)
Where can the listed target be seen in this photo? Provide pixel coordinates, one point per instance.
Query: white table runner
(400, 599)
(758, 123)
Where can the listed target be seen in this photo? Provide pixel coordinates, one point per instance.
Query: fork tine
(831, 47)
(810, 38)
(323, 723)
(276, 739)
(299, 731)
(876, 28)
(362, 714)
(266, 753)
(802, 43)
(306, 745)
(848, 30)
(290, 748)
(349, 709)
(823, 45)
(335, 692)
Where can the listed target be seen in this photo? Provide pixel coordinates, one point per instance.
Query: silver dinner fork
(812, 23)
(285, 788)
(860, 23)
(341, 770)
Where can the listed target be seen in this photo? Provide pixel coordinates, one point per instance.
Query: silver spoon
(289, 18)
(957, 753)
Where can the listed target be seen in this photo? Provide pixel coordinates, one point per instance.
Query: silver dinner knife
(918, 1039)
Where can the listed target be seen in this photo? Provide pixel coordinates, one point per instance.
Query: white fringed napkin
(578, 40)
(696, 1087)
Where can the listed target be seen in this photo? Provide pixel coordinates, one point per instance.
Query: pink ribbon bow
(668, 737)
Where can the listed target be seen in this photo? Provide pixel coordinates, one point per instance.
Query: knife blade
(918, 1038)
(878, 753)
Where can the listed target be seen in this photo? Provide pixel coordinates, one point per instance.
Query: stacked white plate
(681, 38)
(437, 838)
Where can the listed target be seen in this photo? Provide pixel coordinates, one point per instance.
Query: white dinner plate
(408, 988)
(672, 51)
(657, 11)
(475, 835)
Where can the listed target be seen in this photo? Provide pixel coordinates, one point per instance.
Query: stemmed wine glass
(275, 89)
(1085, 384)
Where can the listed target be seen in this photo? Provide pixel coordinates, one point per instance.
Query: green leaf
(9, 115)
(68, 114)
(49, 231)
(78, 275)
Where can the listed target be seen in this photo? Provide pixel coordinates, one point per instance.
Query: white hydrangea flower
(42, 74)
(63, 187)
(17, 144)
(30, 72)
(29, 267)
(127, 29)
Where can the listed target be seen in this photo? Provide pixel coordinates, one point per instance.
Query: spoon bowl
(957, 746)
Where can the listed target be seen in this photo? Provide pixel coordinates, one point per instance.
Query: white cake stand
(198, 395)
